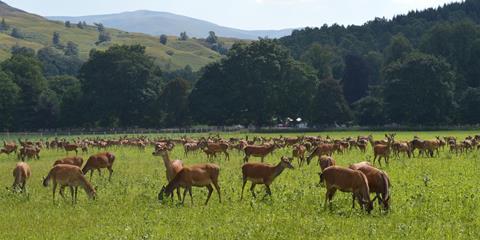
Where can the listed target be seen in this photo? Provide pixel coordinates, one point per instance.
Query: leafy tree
(398, 48)
(56, 38)
(419, 90)
(174, 103)
(71, 49)
(103, 37)
(329, 106)
(163, 39)
(122, 84)
(18, 50)
(68, 90)
(369, 111)
(470, 106)
(100, 27)
(80, 25)
(9, 99)
(54, 62)
(212, 38)
(255, 84)
(68, 24)
(356, 78)
(183, 36)
(322, 58)
(16, 33)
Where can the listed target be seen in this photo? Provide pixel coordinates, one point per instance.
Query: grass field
(127, 207)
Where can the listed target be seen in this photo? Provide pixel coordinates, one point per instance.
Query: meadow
(432, 198)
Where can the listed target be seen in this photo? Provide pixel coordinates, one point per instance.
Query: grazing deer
(29, 152)
(75, 161)
(71, 148)
(216, 147)
(299, 153)
(259, 151)
(172, 168)
(200, 175)
(325, 162)
(378, 182)
(21, 173)
(260, 173)
(9, 148)
(98, 161)
(320, 150)
(347, 180)
(71, 176)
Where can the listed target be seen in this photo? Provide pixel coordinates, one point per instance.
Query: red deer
(299, 153)
(21, 173)
(401, 147)
(98, 161)
(200, 175)
(320, 150)
(71, 176)
(75, 161)
(9, 147)
(71, 148)
(29, 152)
(325, 162)
(347, 180)
(383, 150)
(378, 182)
(216, 147)
(259, 151)
(172, 168)
(260, 173)
(190, 147)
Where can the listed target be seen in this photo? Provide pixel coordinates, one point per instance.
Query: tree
(254, 84)
(183, 36)
(103, 37)
(323, 58)
(122, 85)
(80, 25)
(163, 39)
(55, 63)
(419, 90)
(56, 38)
(4, 26)
(68, 24)
(71, 49)
(100, 27)
(212, 38)
(356, 78)
(68, 90)
(470, 106)
(398, 48)
(9, 99)
(329, 106)
(369, 111)
(174, 103)
(16, 33)
(17, 50)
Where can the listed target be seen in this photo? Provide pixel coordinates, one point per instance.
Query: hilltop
(38, 32)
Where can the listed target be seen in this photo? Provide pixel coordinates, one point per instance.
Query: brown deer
(381, 150)
(378, 182)
(71, 176)
(21, 173)
(320, 150)
(260, 173)
(29, 152)
(9, 147)
(347, 180)
(299, 153)
(75, 161)
(258, 151)
(71, 148)
(98, 161)
(172, 168)
(325, 162)
(200, 175)
(216, 147)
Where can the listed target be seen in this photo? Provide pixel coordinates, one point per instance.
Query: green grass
(127, 208)
(38, 33)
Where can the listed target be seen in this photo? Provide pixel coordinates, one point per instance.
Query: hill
(156, 23)
(37, 33)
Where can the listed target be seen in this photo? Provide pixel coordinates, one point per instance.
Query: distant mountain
(157, 23)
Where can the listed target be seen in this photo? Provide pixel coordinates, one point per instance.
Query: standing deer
(21, 173)
(172, 168)
(258, 151)
(71, 176)
(98, 161)
(378, 182)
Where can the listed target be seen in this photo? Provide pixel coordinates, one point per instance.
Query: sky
(243, 14)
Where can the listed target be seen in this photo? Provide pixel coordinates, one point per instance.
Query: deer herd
(359, 179)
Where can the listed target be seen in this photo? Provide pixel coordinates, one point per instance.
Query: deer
(320, 150)
(172, 168)
(71, 148)
(378, 182)
(29, 152)
(216, 147)
(258, 151)
(9, 147)
(325, 162)
(199, 175)
(261, 173)
(21, 174)
(347, 180)
(383, 150)
(299, 153)
(98, 161)
(71, 176)
(75, 161)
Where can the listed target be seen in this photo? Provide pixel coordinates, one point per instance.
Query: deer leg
(269, 192)
(353, 200)
(190, 192)
(178, 194)
(76, 194)
(245, 159)
(184, 195)
(91, 174)
(243, 187)
(72, 193)
(217, 187)
(252, 189)
(54, 190)
(210, 191)
(111, 171)
(62, 189)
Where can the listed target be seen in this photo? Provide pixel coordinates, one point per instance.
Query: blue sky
(245, 14)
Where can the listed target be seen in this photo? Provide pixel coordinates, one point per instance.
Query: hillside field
(432, 198)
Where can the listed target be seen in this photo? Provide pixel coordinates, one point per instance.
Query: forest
(422, 68)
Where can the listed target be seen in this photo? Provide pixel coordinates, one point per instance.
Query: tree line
(419, 68)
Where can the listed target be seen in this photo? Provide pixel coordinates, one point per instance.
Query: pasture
(432, 198)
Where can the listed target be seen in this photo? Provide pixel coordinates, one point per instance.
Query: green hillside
(38, 33)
